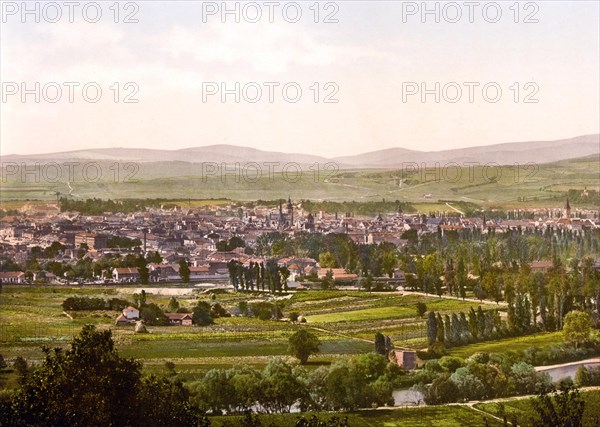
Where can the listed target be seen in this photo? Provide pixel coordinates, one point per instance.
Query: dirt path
(454, 209)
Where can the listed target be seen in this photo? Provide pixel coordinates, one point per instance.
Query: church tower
(290, 211)
(567, 213)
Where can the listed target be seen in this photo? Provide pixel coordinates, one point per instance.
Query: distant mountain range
(504, 154)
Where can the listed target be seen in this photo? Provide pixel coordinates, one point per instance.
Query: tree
(173, 305)
(561, 408)
(431, 328)
(152, 314)
(380, 347)
(421, 309)
(302, 344)
(328, 282)
(577, 327)
(246, 386)
(327, 260)
(142, 266)
(20, 366)
(441, 390)
(184, 271)
(469, 387)
(527, 380)
(91, 385)
(201, 314)
(280, 388)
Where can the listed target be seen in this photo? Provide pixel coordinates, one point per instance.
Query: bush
(452, 363)
(435, 351)
(441, 390)
(217, 311)
(421, 309)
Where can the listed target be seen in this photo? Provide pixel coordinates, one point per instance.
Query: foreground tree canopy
(91, 385)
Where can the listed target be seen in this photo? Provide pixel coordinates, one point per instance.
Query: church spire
(567, 209)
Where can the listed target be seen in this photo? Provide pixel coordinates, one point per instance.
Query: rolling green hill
(505, 187)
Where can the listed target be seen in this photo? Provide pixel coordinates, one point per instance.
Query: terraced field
(344, 321)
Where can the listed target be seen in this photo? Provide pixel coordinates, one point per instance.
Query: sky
(380, 65)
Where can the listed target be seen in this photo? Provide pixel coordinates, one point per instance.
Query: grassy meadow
(344, 321)
(439, 416)
(507, 187)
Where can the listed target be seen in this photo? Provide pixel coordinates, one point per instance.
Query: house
(12, 277)
(131, 313)
(540, 266)
(338, 274)
(406, 359)
(181, 319)
(126, 274)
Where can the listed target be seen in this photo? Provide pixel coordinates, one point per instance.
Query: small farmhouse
(181, 319)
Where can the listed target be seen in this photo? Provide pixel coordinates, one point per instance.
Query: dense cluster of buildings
(193, 234)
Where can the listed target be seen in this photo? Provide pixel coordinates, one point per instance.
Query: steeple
(567, 213)
(290, 210)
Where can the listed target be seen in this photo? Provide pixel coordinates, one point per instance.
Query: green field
(344, 321)
(439, 416)
(512, 188)
(514, 344)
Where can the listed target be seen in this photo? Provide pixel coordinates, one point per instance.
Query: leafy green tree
(246, 383)
(91, 385)
(216, 391)
(439, 329)
(152, 314)
(577, 327)
(184, 271)
(431, 328)
(441, 390)
(142, 266)
(328, 282)
(302, 344)
(327, 260)
(380, 347)
(561, 408)
(388, 263)
(421, 309)
(280, 388)
(173, 305)
(469, 387)
(526, 380)
(201, 314)
(344, 387)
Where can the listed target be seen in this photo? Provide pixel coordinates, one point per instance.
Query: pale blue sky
(368, 54)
